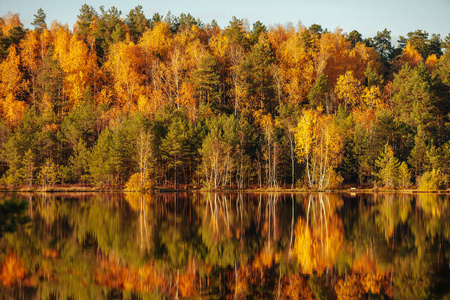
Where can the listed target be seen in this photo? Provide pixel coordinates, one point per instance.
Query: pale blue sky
(366, 16)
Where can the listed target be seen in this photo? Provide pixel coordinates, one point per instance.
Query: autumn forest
(128, 101)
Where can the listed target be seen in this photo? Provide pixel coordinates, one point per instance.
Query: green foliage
(39, 21)
(433, 180)
(48, 174)
(137, 23)
(318, 94)
(207, 80)
(404, 175)
(388, 166)
(413, 100)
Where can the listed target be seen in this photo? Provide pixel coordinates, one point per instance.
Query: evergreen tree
(39, 21)
(387, 165)
(137, 23)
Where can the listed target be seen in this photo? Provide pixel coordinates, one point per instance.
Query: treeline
(170, 101)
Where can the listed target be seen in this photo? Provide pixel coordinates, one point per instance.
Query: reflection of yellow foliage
(317, 248)
(265, 259)
(372, 283)
(111, 273)
(135, 200)
(295, 287)
(188, 281)
(432, 205)
(12, 270)
(349, 288)
(241, 285)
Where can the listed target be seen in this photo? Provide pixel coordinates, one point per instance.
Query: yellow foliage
(410, 55)
(157, 41)
(317, 247)
(78, 63)
(431, 61)
(372, 97)
(296, 68)
(295, 287)
(10, 21)
(318, 144)
(349, 288)
(134, 183)
(125, 64)
(13, 111)
(218, 44)
(348, 89)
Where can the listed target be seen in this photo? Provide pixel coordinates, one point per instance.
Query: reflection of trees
(319, 239)
(231, 246)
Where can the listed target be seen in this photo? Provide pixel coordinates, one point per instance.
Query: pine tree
(39, 21)
(388, 166)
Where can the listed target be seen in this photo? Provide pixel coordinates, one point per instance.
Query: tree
(288, 119)
(87, 17)
(174, 147)
(413, 100)
(137, 23)
(39, 21)
(404, 176)
(218, 151)
(258, 82)
(79, 162)
(382, 44)
(388, 166)
(125, 64)
(12, 85)
(348, 89)
(29, 167)
(319, 144)
(100, 166)
(207, 81)
(354, 37)
(47, 175)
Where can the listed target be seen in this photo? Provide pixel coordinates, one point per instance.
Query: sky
(366, 16)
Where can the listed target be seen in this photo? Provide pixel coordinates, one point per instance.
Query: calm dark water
(224, 246)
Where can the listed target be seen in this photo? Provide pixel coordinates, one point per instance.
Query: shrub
(433, 180)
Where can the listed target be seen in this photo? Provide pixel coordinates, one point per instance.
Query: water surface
(227, 246)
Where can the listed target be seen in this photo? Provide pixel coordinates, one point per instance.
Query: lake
(224, 246)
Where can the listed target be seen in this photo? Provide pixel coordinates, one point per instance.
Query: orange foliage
(12, 270)
(78, 63)
(349, 287)
(364, 116)
(410, 55)
(10, 21)
(51, 253)
(295, 287)
(296, 68)
(317, 248)
(188, 281)
(125, 64)
(12, 85)
(431, 61)
(111, 273)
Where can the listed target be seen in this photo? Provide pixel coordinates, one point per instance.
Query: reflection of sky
(366, 16)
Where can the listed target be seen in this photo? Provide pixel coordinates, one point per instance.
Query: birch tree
(319, 145)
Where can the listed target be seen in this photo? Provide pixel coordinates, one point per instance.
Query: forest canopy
(169, 101)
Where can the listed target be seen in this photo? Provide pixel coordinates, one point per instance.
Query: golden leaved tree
(78, 63)
(319, 144)
(12, 84)
(125, 64)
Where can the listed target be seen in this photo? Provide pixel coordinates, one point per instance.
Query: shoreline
(93, 189)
